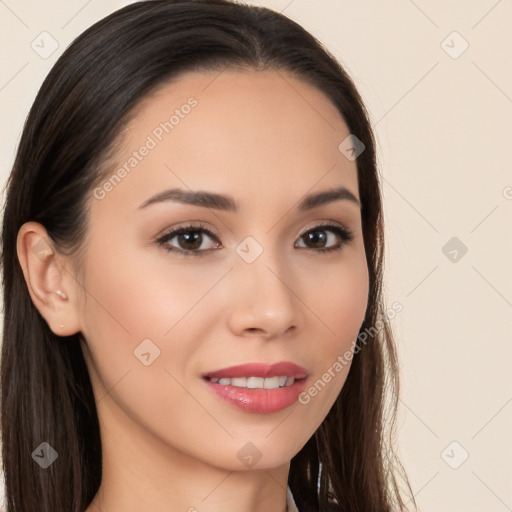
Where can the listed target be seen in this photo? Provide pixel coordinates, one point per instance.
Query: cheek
(137, 314)
(139, 309)
(136, 295)
(339, 299)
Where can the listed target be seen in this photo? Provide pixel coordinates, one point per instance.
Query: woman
(192, 267)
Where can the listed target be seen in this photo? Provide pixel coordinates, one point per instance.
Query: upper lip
(260, 370)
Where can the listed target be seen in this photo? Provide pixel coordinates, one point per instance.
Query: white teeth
(271, 383)
(255, 382)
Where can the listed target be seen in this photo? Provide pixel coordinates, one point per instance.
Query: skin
(267, 139)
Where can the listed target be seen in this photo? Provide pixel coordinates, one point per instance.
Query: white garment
(290, 502)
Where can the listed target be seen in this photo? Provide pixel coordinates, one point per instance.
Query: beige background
(443, 123)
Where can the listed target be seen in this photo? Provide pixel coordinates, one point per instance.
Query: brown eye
(322, 237)
(188, 240)
(316, 239)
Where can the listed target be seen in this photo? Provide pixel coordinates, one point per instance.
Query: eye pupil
(318, 238)
(191, 239)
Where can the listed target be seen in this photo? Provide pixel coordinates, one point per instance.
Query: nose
(263, 300)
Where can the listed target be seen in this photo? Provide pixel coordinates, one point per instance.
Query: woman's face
(248, 283)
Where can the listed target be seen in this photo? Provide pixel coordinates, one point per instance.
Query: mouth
(258, 387)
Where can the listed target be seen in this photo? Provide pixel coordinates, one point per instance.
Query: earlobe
(49, 283)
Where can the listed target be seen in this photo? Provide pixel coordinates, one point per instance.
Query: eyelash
(343, 233)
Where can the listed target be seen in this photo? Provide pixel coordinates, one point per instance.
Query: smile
(258, 387)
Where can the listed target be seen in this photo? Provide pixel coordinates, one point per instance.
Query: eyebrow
(228, 203)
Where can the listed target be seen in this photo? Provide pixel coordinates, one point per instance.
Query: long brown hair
(46, 394)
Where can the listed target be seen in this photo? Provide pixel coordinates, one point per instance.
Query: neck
(140, 472)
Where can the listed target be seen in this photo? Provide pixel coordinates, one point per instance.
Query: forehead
(238, 132)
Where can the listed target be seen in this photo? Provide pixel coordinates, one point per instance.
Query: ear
(52, 287)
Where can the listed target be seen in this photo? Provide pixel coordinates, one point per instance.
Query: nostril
(256, 330)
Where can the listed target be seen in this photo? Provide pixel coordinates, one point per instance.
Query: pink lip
(258, 400)
(260, 370)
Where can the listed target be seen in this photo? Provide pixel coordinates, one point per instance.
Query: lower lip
(258, 400)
